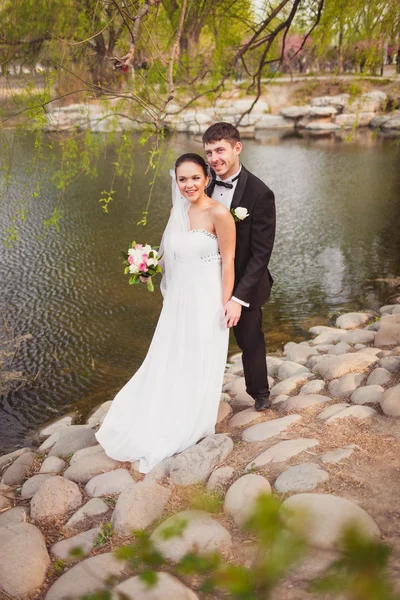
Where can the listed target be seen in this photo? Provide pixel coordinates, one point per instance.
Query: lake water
(338, 210)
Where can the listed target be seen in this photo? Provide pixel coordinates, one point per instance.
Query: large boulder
(195, 464)
(369, 394)
(322, 518)
(71, 441)
(352, 320)
(389, 331)
(390, 401)
(356, 412)
(290, 384)
(33, 484)
(379, 376)
(288, 369)
(6, 496)
(55, 498)
(16, 473)
(359, 336)
(99, 414)
(303, 401)
(85, 541)
(94, 508)
(244, 417)
(58, 433)
(240, 499)
(268, 429)
(139, 506)
(339, 101)
(9, 458)
(52, 465)
(219, 479)
(12, 516)
(81, 471)
(282, 451)
(199, 531)
(109, 483)
(300, 478)
(87, 577)
(345, 385)
(331, 410)
(167, 587)
(333, 368)
(295, 112)
(299, 353)
(23, 559)
(53, 427)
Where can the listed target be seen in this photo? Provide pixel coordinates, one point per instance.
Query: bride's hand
(233, 311)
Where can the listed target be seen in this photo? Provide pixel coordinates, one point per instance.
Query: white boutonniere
(240, 213)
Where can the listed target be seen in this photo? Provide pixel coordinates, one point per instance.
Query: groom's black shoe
(262, 402)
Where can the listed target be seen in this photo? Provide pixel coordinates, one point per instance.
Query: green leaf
(150, 578)
(150, 285)
(126, 270)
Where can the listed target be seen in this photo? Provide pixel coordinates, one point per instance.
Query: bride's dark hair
(193, 158)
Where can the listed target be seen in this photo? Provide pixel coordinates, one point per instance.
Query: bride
(172, 400)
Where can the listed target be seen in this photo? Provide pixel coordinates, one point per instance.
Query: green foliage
(105, 534)
(57, 568)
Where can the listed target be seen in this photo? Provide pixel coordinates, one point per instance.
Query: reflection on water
(338, 208)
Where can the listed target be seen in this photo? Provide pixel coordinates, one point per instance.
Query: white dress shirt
(225, 196)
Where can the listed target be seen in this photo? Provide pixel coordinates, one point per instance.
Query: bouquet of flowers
(142, 263)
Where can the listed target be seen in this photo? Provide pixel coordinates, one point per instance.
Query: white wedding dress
(172, 400)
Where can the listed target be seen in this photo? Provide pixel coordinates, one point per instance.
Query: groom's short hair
(221, 131)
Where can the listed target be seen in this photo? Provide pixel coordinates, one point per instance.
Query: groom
(233, 185)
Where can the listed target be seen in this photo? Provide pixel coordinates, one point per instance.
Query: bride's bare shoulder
(218, 210)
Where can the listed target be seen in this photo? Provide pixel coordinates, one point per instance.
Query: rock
(389, 332)
(244, 417)
(373, 351)
(159, 471)
(273, 122)
(224, 410)
(282, 451)
(390, 363)
(12, 516)
(52, 465)
(219, 479)
(84, 541)
(71, 441)
(81, 471)
(57, 426)
(23, 559)
(345, 385)
(300, 478)
(313, 362)
(295, 112)
(280, 398)
(98, 416)
(86, 452)
(58, 433)
(236, 368)
(322, 518)
(32, 485)
(370, 394)
(348, 121)
(393, 123)
(290, 384)
(268, 429)
(319, 125)
(16, 473)
(166, 588)
(359, 336)
(312, 387)
(196, 463)
(390, 401)
(94, 508)
(359, 346)
(288, 369)
(109, 483)
(389, 308)
(273, 364)
(318, 329)
(337, 455)
(339, 348)
(379, 376)
(304, 401)
(139, 506)
(368, 102)
(237, 387)
(240, 499)
(200, 533)
(6, 495)
(352, 320)
(86, 577)
(56, 497)
(322, 111)
(331, 410)
(298, 353)
(333, 368)
(339, 101)
(329, 336)
(358, 412)
(7, 459)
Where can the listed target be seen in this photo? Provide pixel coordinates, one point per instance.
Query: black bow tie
(226, 185)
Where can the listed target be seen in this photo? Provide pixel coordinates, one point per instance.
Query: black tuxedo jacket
(254, 238)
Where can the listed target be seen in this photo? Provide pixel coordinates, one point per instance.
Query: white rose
(152, 262)
(133, 269)
(241, 213)
(146, 249)
(131, 251)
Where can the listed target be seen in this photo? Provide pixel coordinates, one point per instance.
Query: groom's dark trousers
(254, 242)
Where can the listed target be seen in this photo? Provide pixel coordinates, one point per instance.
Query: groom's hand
(233, 311)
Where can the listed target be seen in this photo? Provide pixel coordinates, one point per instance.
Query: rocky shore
(329, 445)
(322, 115)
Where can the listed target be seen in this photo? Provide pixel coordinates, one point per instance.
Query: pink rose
(145, 257)
(143, 267)
(138, 246)
(130, 259)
